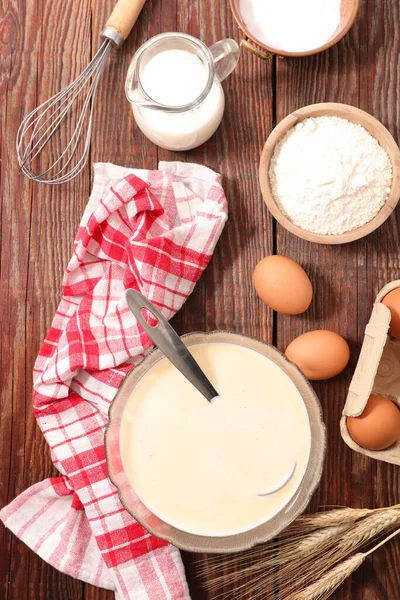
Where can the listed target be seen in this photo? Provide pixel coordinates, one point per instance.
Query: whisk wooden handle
(122, 19)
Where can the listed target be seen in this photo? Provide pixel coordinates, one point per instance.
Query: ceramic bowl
(348, 13)
(233, 543)
(355, 115)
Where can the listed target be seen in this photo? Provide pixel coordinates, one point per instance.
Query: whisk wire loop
(39, 126)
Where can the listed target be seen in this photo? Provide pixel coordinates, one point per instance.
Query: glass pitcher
(183, 126)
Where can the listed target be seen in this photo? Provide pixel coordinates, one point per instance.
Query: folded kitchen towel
(154, 231)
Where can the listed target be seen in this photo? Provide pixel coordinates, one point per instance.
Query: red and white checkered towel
(154, 231)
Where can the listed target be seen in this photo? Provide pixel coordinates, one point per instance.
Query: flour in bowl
(329, 176)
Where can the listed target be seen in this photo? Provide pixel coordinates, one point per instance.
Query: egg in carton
(377, 372)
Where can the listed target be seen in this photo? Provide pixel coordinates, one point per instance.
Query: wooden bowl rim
(331, 42)
(364, 119)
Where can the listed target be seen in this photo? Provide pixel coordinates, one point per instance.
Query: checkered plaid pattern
(154, 231)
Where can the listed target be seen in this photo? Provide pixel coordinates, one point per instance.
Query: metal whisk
(38, 128)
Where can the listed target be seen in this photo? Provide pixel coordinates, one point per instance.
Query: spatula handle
(121, 20)
(170, 344)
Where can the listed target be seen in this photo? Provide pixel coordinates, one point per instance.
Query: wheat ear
(368, 529)
(337, 550)
(313, 553)
(327, 584)
(310, 541)
(294, 553)
(301, 559)
(329, 518)
(294, 534)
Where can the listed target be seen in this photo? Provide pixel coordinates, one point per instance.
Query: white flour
(291, 25)
(330, 176)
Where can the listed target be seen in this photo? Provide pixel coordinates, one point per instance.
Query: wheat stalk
(328, 583)
(369, 528)
(294, 534)
(321, 559)
(330, 518)
(300, 552)
(292, 553)
(292, 540)
(293, 563)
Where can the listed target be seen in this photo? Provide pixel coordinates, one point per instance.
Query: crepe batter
(202, 466)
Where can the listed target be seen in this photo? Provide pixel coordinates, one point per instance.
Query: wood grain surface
(44, 44)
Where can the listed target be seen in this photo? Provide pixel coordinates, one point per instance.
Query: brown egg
(320, 354)
(378, 427)
(283, 285)
(392, 301)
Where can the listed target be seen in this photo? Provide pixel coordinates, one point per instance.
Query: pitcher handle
(226, 56)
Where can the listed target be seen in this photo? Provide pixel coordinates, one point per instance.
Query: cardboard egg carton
(377, 372)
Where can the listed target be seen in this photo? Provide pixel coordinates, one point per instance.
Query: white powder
(291, 25)
(330, 176)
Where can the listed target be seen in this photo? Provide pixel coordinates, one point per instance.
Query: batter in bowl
(201, 466)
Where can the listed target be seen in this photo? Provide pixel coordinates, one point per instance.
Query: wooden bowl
(348, 13)
(355, 115)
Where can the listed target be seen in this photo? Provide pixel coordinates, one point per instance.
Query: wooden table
(43, 45)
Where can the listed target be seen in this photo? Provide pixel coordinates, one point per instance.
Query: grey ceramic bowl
(233, 543)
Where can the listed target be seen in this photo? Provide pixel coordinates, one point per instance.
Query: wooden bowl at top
(348, 13)
(355, 115)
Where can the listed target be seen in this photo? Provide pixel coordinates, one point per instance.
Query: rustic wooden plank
(37, 226)
(65, 36)
(115, 137)
(95, 593)
(13, 270)
(234, 152)
(345, 279)
(380, 43)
